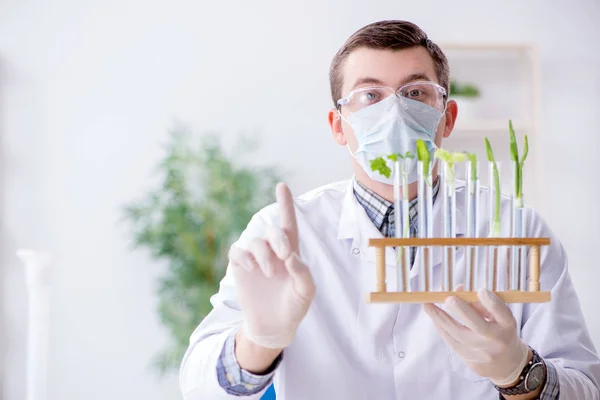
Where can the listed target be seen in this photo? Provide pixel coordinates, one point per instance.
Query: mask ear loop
(347, 145)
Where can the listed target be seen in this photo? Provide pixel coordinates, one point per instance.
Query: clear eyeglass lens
(362, 98)
(426, 93)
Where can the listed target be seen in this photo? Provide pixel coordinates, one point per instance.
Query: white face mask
(392, 126)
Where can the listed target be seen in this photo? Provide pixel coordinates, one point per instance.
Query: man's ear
(451, 113)
(335, 123)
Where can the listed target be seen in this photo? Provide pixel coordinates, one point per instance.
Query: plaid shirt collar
(381, 211)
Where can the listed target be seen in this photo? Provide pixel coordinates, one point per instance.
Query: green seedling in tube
(425, 212)
(379, 165)
(472, 213)
(495, 228)
(514, 152)
(473, 159)
(448, 210)
(450, 159)
(425, 157)
(518, 218)
(395, 158)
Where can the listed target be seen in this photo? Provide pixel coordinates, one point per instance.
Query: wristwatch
(532, 377)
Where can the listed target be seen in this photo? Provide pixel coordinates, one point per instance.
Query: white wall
(88, 89)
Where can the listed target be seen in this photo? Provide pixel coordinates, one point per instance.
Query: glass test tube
(517, 270)
(425, 212)
(494, 199)
(401, 223)
(472, 209)
(449, 224)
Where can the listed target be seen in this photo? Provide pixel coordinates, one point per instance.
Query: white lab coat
(348, 349)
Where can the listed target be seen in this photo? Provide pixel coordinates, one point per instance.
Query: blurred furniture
(508, 77)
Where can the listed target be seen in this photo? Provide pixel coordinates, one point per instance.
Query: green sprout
(514, 152)
(495, 229)
(379, 165)
(450, 159)
(399, 156)
(473, 159)
(425, 157)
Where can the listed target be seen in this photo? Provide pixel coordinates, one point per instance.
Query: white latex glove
(275, 288)
(488, 341)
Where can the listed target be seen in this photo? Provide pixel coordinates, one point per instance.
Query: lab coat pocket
(461, 369)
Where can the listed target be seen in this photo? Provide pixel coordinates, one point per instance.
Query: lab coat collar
(350, 205)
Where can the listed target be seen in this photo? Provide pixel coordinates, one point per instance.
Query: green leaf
(514, 151)
(473, 160)
(495, 223)
(202, 200)
(525, 150)
(424, 155)
(488, 149)
(448, 157)
(379, 165)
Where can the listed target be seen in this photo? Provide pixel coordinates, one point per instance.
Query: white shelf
(499, 68)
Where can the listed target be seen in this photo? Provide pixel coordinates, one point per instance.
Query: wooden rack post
(380, 261)
(533, 295)
(534, 269)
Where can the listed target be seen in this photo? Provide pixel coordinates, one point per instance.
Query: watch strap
(520, 387)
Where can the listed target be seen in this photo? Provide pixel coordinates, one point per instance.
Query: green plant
(379, 164)
(425, 157)
(473, 159)
(495, 223)
(450, 159)
(203, 201)
(514, 153)
(464, 90)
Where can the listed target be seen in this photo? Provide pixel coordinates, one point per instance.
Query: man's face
(366, 67)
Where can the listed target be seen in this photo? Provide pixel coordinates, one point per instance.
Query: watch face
(535, 377)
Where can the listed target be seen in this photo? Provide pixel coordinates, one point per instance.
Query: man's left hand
(488, 342)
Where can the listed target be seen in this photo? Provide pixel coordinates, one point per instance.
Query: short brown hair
(390, 35)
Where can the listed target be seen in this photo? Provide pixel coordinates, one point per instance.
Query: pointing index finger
(288, 215)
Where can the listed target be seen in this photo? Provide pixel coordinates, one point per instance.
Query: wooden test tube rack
(533, 295)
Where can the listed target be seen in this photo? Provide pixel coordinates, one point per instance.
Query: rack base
(513, 296)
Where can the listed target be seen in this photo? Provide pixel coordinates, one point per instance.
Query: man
(292, 306)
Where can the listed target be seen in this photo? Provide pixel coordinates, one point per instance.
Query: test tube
(494, 219)
(401, 223)
(449, 223)
(517, 276)
(425, 212)
(472, 210)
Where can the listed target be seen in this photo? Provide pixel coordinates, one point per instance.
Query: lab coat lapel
(374, 321)
(355, 224)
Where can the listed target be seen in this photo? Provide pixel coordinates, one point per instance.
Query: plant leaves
(201, 203)
(379, 165)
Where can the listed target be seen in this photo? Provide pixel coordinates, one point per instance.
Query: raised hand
(275, 288)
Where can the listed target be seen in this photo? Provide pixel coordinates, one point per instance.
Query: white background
(89, 89)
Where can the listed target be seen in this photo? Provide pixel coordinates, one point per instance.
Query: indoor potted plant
(466, 96)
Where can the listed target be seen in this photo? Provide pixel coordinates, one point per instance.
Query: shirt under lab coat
(346, 348)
